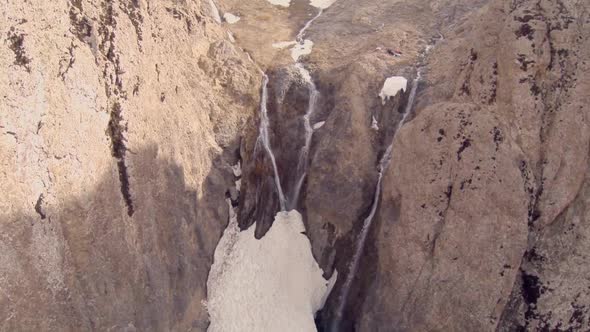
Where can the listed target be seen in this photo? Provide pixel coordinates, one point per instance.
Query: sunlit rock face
(118, 120)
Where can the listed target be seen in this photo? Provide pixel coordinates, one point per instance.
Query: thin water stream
(289, 203)
(367, 222)
(263, 137)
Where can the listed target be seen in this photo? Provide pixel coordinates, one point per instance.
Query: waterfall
(302, 163)
(360, 246)
(263, 138)
(313, 97)
(303, 154)
(299, 37)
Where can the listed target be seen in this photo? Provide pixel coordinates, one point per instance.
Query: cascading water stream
(303, 154)
(313, 97)
(263, 137)
(302, 163)
(299, 37)
(383, 164)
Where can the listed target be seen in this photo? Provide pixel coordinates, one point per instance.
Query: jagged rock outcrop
(118, 123)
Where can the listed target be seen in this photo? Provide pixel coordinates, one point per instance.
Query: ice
(214, 11)
(230, 36)
(319, 125)
(323, 4)
(230, 18)
(285, 44)
(284, 3)
(271, 284)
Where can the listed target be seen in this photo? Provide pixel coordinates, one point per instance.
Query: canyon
(427, 161)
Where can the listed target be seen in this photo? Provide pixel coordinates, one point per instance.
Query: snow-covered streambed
(271, 284)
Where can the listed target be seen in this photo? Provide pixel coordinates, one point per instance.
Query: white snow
(323, 4)
(230, 36)
(214, 11)
(318, 125)
(392, 86)
(301, 49)
(231, 18)
(285, 44)
(284, 3)
(271, 284)
(374, 124)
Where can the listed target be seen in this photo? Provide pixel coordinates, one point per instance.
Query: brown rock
(487, 176)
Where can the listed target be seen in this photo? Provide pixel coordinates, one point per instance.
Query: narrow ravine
(275, 277)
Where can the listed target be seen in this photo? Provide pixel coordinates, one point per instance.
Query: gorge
(295, 165)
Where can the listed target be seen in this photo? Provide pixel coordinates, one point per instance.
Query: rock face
(488, 178)
(483, 220)
(118, 123)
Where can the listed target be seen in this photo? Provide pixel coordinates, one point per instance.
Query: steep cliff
(483, 221)
(119, 121)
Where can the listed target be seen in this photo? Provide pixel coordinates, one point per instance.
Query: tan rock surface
(488, 174)
(114, 116)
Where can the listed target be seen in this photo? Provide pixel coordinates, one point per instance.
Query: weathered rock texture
(483, 222)
(118, 123)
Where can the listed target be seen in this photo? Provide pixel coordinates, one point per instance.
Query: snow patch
(285, 44)
(230, 36)
(301, 49)
(323, 4)
(271, 284)
(214, 11)
(298, 49)
(392, 86)
(231, 18)
(284, 3)
(374, 124)
(319, 125)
